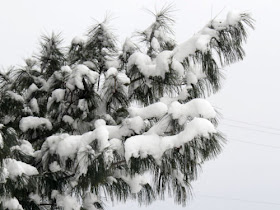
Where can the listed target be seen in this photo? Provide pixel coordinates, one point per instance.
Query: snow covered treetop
(96, 122)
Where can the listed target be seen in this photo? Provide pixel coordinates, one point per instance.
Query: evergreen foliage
(91, 123)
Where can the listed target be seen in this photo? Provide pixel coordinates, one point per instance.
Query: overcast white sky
(243, 172)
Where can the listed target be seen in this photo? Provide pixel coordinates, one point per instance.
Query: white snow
(68, 119)
(135, 123)
(123, 78)
(183, 95)
(11, 204)
(32, 88)
(177, 67)
(81, 40)
(135, 182)
(179, 176)
(159, 66)
(4, 176)
(31, 122)
(117, 145)
(233, 17)
(89, 200)
(67, 202)
(191, 78)
(199, 41)
(90, 64)
(15, 96)
(115, 63)
(76, 77)
(128, 47)
(54, 167)
(143, 145)
(120, 76)
(25, 147)
(143, 63)
(163, 60)
(111, 72)
(17, 168)
(1, 141)
(58, 95)
(155, 44)
(82, 105)
(67, 146)
(127, 128)
(35, 197)
(156, 110)
(66, 69)
(195, 108)
(34, 105)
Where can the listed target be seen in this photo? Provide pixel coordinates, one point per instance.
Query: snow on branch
(154, 145)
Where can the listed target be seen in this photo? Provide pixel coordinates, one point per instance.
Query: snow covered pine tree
(95, 122)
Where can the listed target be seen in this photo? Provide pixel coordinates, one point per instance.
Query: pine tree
(95, 121)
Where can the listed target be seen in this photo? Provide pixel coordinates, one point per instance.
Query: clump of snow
(67, 146)
(120, 76)
(31, 122)
(58, 95)
(123, 78)
(117, 145)
(66, 69)
(76, 77)
(128, 47)
(112, 63)
(54, 167)
(15, 96)
(195, 108)
(143, 63)
(34, 105)
(1, 141)
(135, 182)
(89, 200)
(179, 176)
(233, 17)
(32, 88)
(25, 147)
(11, 204)
(90, 64)
(194, 73)
(155, 44)
(127, 128)
(156, 110)
(83, 105)
(144, 145)
(68, 119)
(111, 72)
(80, 40)
(17, 168)
(4, 175)
(183, 95)
(163, 60)
(135, 123)
(35, 197)
(177, 67)
(191, 78)
(98, 123)
(67, 202)
(199, 41)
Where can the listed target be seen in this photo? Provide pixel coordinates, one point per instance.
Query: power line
(249, 142)
(253, 124)
(239, 200)
(252, 129)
